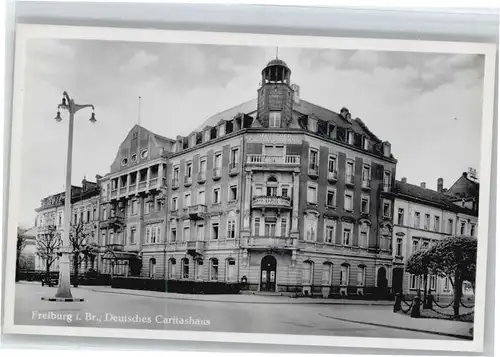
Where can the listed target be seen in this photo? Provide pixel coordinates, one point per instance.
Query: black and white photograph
(312, 191)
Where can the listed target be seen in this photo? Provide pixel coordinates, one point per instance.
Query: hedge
(175, 286)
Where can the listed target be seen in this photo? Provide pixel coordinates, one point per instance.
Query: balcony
(313, 170)
(175, 183)
(217, 173)
(271, 202)
(153, 182)
(114, 222)
(269, 160)
(114, 247)
(349, 180)
(195, 248)
(143, 185)
(123, 191)
(333, 176)
(197, 212)
(202, 177)
(233, 169)
(366, 184)
(188, 180)
(386, 188)
(132, 188)
(264, 243)
(114, 194)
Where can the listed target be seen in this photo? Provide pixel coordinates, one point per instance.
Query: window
(365, 142)
(275, 119)
(132, 236)
(364, 235)
(344, 275)
(311, 226)
(361, 275)
(216, 196)
(365, 204)
(176, 175)
(330, 233)
(387, 209)
(215, 230)
(231, 270)
(330, 198)
(214, 269)
(313, 159)
(432, 282)
(446, 284)
(349, 169)
(234, 158)
(414, 246)
(270, 229)
(462, 228)
(472, 229)
(186, 234)
(327, 273)
(134, 206)
(387, 179)
(256, 226)
(233, 193)
(203, 167)
(427, 221)
(346, 236)
(332, 164)
(88, 216)
(111, 238)
(218, 161)
(312, 194)
(401, 216)
(348, 202)
(437, 224)
(450, 226)
(189, 169)
(173, 234)
(185, 268)
(103, 239)
(174, 204)
(171, 268)
(399, 247)
(284, 222)
(350, 137)
(60, 217)
(307, 273)
(199, 269)
(331, 131)
(152, 267)
(187, 199)
(284, 191)
(152, 234)
(425, 245)
(416, 222)
(413, 281)
(313, 125)
(231, 228)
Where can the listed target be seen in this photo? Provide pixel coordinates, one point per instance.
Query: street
(101, 309)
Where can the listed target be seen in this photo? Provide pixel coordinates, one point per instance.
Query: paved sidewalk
(236, 298)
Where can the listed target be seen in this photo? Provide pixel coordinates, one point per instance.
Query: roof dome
(277, 62)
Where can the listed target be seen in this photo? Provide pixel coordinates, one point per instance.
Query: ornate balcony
(313, 170)
(271, 202)
(197, 212)
(217, 173)
(366, 184)
(195, 248)
(115, 222)
(333, 176)
(188, 180)
(269, 160)
(265, 243)
(234, 169)
(349, 180)
(114, 194)
(202, 177)
(175, 183)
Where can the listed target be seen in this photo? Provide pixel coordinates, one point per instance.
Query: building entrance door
(268, 273)
(397, 280)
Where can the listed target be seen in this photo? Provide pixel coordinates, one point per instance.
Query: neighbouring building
(423, 216)
(28, 253)
(276, 191)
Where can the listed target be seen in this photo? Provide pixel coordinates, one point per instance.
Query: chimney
(422, 184)
(464, 174)
(440, 185)
(403, 179)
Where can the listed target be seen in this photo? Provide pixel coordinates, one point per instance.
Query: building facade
(422, 217)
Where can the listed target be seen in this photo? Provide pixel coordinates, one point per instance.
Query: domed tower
(275, 100)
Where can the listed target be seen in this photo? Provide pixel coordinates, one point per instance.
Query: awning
(120, 255)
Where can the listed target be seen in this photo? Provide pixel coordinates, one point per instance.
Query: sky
(428, 106)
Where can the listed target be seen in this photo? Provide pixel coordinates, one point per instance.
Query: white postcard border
(26, 32)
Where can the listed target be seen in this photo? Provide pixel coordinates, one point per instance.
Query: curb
(62, 299)
(284, 302)
(463, 337)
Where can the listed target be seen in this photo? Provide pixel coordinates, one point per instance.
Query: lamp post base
(55, 299)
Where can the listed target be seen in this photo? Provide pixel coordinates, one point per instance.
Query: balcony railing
(197, 211)
(233, 168)
(349, 179)
(313, 169)
(202, 176)
(271, 201)
(195, 247)
(333, 175)
(175, 182)
(365, 184)
(188, 180)
(287, 160)
(132, 187)
(153, 182)
(142, 185)
(270, 243)
(114, 193)
(217, 173)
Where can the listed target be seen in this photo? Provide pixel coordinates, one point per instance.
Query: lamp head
(92, 118)
(58, 116)
(63, 102)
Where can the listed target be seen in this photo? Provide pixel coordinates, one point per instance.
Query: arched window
(152, 267)
(185, 268)
(199, 269)
(214, 269)
(311, 226)
(307, 272)
(230, 269)
(272, 186)
(344, 274)
(361, 275)
(171, 268)
(327, 273)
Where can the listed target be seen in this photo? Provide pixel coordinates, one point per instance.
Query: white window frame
(314, 186)
(334, 191)
(347, 228)
(332, 157)
(351, 195)
(330, 224)
(231, 222)
(361, 276)
(218, 201)
(230, 199)
(367, 198)
(212, 230)
(228, 264)
(275, 119)
(344, 273)
(327, 274)
(211, 276)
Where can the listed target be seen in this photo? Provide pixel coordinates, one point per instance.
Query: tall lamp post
(64, 289)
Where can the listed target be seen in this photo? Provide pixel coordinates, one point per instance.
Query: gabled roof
(464, 188)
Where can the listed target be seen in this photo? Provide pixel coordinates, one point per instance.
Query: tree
(81, 246)
(47, 244)
(21, 244)
(419, 264)
(455, 258)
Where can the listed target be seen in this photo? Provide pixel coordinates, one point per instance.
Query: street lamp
(64, 290)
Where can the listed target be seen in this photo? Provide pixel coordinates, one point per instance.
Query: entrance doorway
(268, 273)
(397, 280)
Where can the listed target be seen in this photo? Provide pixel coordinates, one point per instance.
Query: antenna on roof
(276, 52)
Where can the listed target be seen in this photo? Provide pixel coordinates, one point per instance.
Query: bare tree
(47, 244)
(21, 244)
(81, 246)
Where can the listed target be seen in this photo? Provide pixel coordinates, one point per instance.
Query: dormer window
(332, 131)
(350, 137)
(365, 142)
(206, 135)
(275, 119)
(313, 125)
(222, 131)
